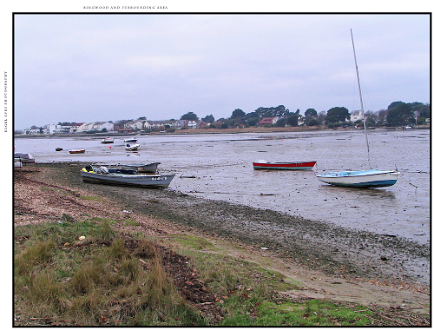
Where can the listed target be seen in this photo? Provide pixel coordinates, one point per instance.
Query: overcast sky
(85, 68)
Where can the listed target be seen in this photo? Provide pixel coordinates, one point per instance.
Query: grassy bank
(81, 260)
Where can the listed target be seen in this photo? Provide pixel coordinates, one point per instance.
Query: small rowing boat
(132, 147)
(145, 168)
(116, 176)
(76, 151)
(263, 165)
(107, 140)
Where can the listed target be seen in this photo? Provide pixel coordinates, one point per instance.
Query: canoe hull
(361, 179)
(284, 165)
(138, 180)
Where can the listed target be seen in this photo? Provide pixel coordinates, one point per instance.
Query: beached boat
(263, 165)
(100, 174)
(371, 178)
(142, 168)
(132, 147)
(24, 158)
(17, 163)
(130, 140)
(77, 151)
(361, 179)
(107, 140)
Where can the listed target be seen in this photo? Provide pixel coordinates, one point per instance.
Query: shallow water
(219, 167)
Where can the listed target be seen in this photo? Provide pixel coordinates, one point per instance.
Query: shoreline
(358, 260)
(224, 131)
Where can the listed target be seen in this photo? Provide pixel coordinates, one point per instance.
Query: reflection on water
(374, 193)
(219, 167)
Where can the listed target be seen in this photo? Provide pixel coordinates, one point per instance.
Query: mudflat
(327, 261)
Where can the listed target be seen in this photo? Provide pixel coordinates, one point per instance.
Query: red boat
(263, 165)
(77, 151)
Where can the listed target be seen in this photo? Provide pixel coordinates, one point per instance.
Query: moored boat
(130, 140)
(360, 179)
(116, 176)
(107, 140)
(364, 178)
(77, 151)
(145, 168)
(263, 165)
(24, 158)
(132, 147)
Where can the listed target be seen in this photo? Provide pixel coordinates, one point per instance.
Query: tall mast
(361, 99)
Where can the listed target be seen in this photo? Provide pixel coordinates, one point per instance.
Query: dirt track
(330, 262)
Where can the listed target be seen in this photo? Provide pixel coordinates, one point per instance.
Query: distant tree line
(398, 113)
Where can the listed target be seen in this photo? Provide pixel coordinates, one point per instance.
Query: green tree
(189, 116)
(292, 118)
(237, 113)
(311, 113)
(278, 111)
(281, 122)
(208, 119)
(312, 122)
(400, 114)
(253, 121)
(337, 114)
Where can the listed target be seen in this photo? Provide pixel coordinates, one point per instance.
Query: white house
(135, 125)
(51, 129)
(99, 126)
(356, 115)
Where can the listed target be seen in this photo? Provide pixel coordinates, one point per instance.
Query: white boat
(24, 158)
(371, 178)
(360, 179)
(132, 147)
(130, 140)
(108, 140)
(100, 174)
(145, 168)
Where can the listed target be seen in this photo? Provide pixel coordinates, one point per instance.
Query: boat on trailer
(117, 176)
(263, 165)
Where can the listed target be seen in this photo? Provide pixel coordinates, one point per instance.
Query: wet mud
(317, 245)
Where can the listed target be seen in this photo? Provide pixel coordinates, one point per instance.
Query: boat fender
(104, 170)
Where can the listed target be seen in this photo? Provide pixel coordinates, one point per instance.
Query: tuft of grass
(92, 198)
(99, 284)
(38, 254)
(197, 243)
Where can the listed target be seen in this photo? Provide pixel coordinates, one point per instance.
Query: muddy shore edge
(320, 246)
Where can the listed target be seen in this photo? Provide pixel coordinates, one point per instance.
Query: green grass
(97, 281)
(92, 198)
(101, 281)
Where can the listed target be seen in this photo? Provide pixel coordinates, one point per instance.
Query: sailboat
(372, 178)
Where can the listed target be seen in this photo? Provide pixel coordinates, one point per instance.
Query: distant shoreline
(220, 131)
